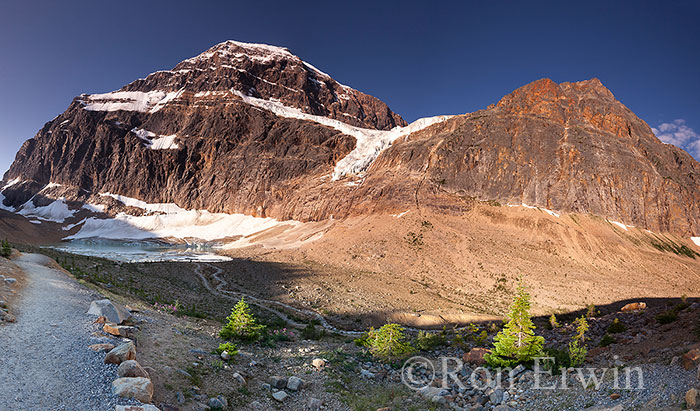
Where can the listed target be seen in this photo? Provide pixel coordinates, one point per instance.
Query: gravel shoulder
(45, 363)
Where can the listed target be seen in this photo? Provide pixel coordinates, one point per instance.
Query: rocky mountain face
(252, 129)
(567, 147)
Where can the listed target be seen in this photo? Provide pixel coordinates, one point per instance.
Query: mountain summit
(253, 129)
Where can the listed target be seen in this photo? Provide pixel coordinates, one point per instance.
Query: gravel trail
(45, 362)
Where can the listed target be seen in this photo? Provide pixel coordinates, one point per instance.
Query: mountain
(252, 129)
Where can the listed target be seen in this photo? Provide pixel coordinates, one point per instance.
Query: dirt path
(265, 304)
(45, 363)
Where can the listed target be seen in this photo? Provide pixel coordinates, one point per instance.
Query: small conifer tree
(389, 342)
(241, 324)
(553, 321)
(577, 348)
(517, 342)
(5, 249)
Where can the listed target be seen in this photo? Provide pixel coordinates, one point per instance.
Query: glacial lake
(140, 251)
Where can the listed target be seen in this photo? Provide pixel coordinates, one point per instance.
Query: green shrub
(241, 324)
(556, 359)
(230, 348)
(667, 317)
(577, 348)
(617, 327)
(517, 342)
(477, 335)
(388, 342)
(426, 341)
(607, 340)
(5, 249)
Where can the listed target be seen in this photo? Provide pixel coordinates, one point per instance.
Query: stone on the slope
(238, 377)
(101, 347)
(121, 353)
(476, 356)
(318, 363)
(10, 281)
(691, 398)
(3, 304)
(280, 396)
(113, 312)
(119, 330)
(614, 396)
(130, 387)
(131, 368)
(295, 383)
(225, 356)
(315, 404)
(633, 307)
(215, 404)
(145, 407)
(691, 359)
(7, 317)
(278, 382)
(256, 405)
(496, 396)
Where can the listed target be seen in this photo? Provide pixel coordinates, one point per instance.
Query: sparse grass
(663, 243)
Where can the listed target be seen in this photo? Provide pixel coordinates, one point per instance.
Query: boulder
(280, 396)
(476, 356)
(691, 398)
(131, 368)
(238, 377)
(295, 383)
(633, 307)
(318, 363)
(121, 353)
(119, 330)
(113, 312)
(10, 281)
(691, 359)
(278, 382)
(101, 347)
(215, 404)
(129, 387)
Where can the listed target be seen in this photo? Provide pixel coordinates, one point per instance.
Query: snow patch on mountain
(696, 240)
(144, 102)
(167, 208)
(550, 212)
(199, 224)
(171, 221)
(57, 211)
(369, 142)
(155, 141)
(621, 225)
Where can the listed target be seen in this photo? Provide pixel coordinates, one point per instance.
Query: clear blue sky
(421, 59)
